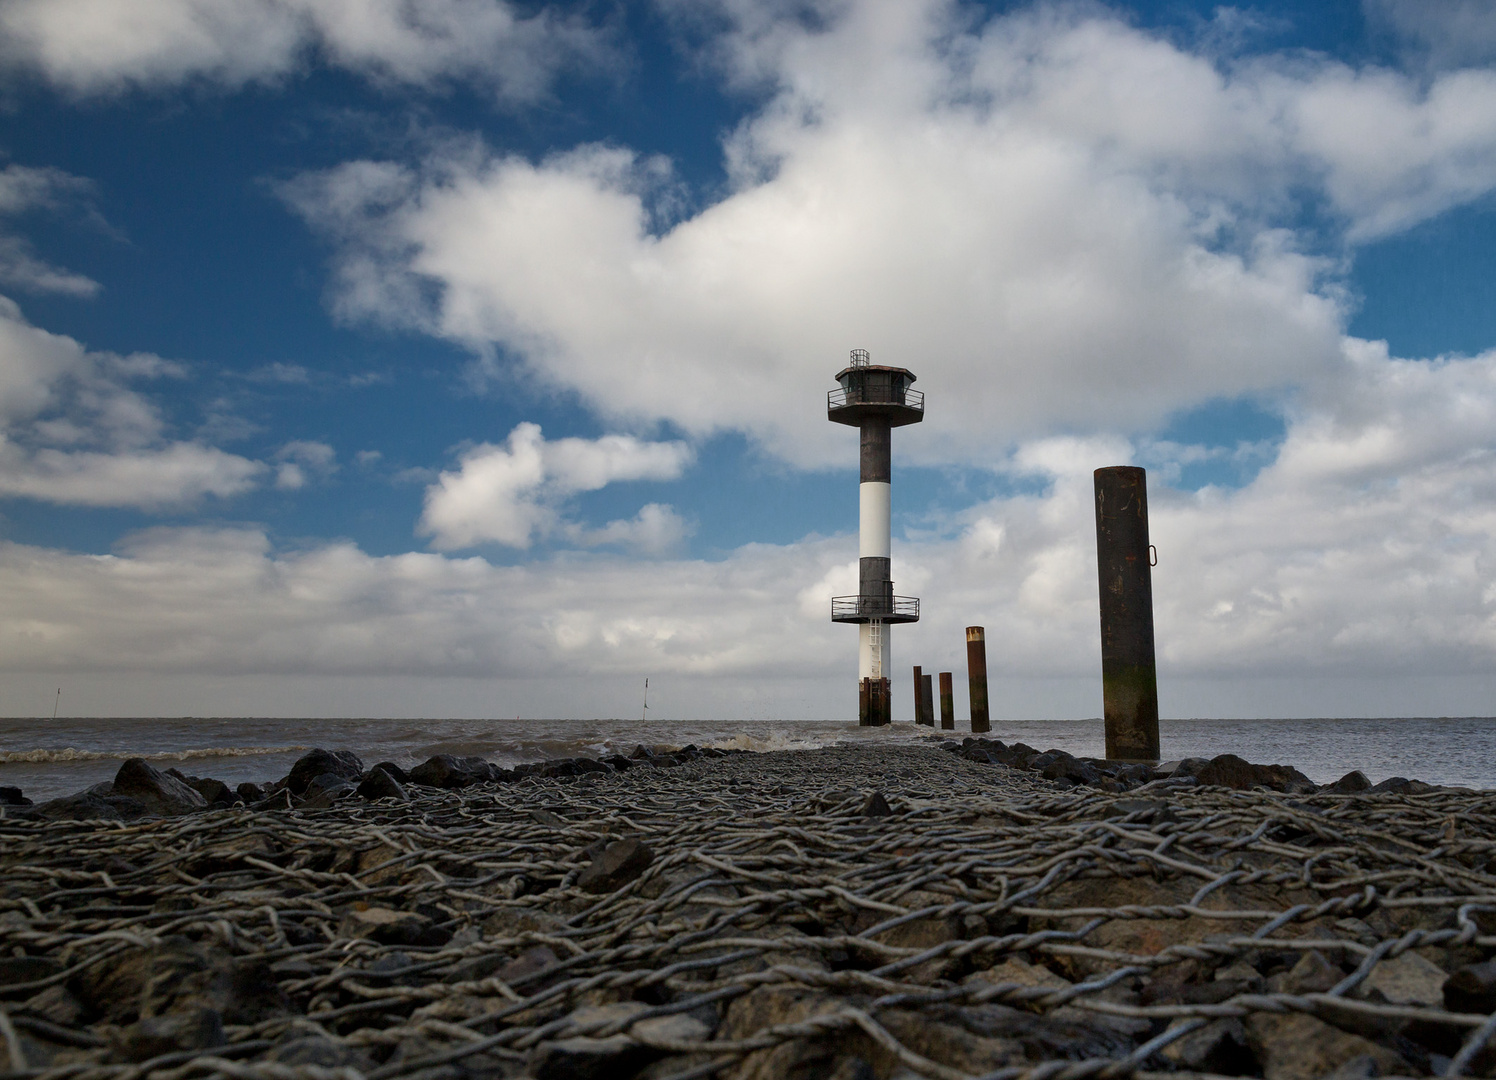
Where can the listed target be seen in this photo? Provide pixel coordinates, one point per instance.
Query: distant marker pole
(927, 701)
(1129, 675)
(947, 703)
(976, 677)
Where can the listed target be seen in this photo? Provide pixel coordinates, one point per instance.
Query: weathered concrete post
(947, 703)
(1129, 678)
(927, 701)
(919, 691)
(976, 677)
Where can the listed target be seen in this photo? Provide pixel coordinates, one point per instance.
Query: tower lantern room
(875, 400)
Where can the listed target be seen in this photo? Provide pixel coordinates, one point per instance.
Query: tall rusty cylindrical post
(919, 693)
(976, 677)
(927, 701)
(947, 703)
(1129, 676)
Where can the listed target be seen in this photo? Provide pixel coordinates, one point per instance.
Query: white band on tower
(875, 502)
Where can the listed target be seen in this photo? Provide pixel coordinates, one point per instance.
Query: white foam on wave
(69, 753)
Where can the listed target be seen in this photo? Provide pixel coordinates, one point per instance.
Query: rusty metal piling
(1129, 676)
(927, 701)
(976, 677)
(919, 693)
(947, 703)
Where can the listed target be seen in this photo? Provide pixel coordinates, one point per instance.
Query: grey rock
(583, 1058)
(381, 784)
(615, 866)
(876, 806)
(318, 1050)
(86, 806)
(1472, 989)
(25, 969)
(449, 771)
(324, 790)
(1313, 974)
(159, 793)
(308, 767)
(152, 1036)
(1349, 784)
(11, 796)
(1219, 1047)
(1228, 770)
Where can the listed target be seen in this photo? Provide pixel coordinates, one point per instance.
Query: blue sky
(466, 358)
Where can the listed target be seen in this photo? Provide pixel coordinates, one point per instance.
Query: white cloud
(100, 46)
(23, 188)
(1058, 222)
(654, 530)
(72, 430)
(1366, 550)
(301, 461)
(512, 494)
(1450, 32)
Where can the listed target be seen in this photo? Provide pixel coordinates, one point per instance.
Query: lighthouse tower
(875, 400)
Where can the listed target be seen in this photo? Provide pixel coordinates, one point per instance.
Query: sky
(469, 357)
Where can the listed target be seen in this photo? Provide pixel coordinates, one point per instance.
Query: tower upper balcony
(869, 390)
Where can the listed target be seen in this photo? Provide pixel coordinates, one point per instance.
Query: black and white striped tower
(876, 400)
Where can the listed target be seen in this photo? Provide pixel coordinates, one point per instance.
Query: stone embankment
(851, 913)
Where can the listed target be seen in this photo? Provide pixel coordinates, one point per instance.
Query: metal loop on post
(1152, 555)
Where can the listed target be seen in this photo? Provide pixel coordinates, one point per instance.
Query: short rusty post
(947, 703)
(927, 701)
(1129, 677)
(976, 677)
(919, 691)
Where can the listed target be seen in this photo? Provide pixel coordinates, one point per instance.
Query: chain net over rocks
(853, 913)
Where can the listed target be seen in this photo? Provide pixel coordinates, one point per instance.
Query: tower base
(874, 703)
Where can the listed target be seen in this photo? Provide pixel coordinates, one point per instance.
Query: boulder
(308, 767)
(216, 792)
(1349, 784)
(1219, 1047)
(1292, 1046)
(152, 1036)
(389, 926)
(876, 806)
(449, 771)
(1313, 974)
(394, 770)
(159, 793)
(584, 1058)
(1228, 770)
(1472, 989)
(298, 1049)
(324, 790)
(25, 969)
(11, 796)
(251, 793)
(381, 784)
(615, 866)
(1408, 979)
(87, 806)
(978, 1039)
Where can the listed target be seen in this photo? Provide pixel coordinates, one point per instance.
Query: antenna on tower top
(860, 358)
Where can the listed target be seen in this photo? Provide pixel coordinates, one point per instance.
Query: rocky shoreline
(960, 909)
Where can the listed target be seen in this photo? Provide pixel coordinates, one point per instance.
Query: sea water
(48, 758)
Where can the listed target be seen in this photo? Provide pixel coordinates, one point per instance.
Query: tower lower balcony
(886, 609)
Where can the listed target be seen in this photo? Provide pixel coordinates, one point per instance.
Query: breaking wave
(11, 757)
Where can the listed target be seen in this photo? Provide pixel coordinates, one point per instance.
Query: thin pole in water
(55, 701)
(646, 699)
